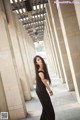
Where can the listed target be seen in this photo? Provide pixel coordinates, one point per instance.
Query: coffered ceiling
(32, 15)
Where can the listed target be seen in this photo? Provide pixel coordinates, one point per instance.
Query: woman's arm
(45, 81)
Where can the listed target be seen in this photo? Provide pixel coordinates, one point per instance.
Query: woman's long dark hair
(44, 68)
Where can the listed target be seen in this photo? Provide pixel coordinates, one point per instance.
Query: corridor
(51, 29)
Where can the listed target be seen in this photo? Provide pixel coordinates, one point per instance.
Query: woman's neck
(40, 66)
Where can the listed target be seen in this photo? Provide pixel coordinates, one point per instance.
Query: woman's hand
(51, 93)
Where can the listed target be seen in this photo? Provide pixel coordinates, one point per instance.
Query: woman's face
(38, 61)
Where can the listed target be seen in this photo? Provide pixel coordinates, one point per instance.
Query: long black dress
(47, 108)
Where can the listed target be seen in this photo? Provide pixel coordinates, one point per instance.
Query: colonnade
(16, 63)
(63, 30)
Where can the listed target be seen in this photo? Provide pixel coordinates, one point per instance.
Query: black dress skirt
(47, 108)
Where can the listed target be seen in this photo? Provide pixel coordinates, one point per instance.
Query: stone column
(48, 51)
(61, 45)
(71, 34)
(30, 50)
(77, 8)
(52, 50)
(55, 47)
(16, 52)
(32, 54)
(10, 79)
(29, 56)
(3, 103)
(21, 37)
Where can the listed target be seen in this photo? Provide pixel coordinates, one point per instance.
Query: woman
(42, 80)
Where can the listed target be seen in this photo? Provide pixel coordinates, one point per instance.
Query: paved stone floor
(64, 102)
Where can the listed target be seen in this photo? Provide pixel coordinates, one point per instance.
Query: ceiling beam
(26, 23)
(23, 4)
